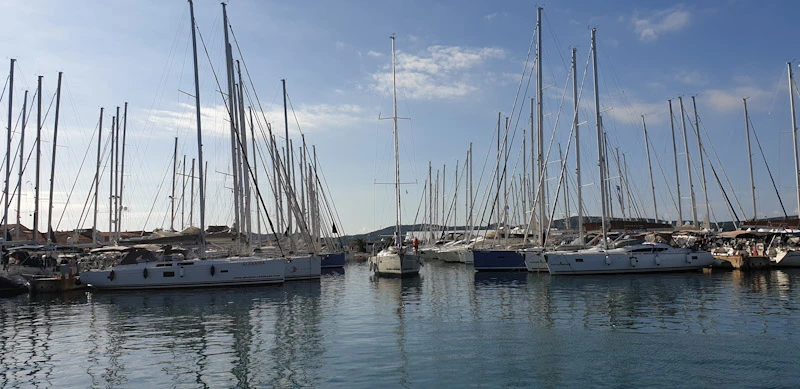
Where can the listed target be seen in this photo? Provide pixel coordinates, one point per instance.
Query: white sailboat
(158, 268)
(639, 258)
(397, 260)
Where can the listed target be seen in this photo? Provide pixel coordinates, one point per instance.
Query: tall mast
(199, 139)
(430, 199)
(245, 176)
(21, 163)
(398, 238)
(286, 166)
(600, 151)
(111, 180)
(675, 159)
(794, 136)
(750, 158)
(566, 191)
(688, 164)
(471, 200)
(232, 112)
(8, 148)
(97, 177)
(497, 174)
(174, 174)
(191, 195)
(702, 162)
(255, 174)
(650, 169)
(115, 168)
(38, 160)
(53, 164)
(122, 172)
(540, 124)
(576, 128)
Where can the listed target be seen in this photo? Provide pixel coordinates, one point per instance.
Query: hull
(302, 268)
(390, 264)
(332, 261)
(534, 261)
(498, 260)
(10, 287)
(612, 262)
(56, 284)
(449, 256)
(188, 274)
(790, 258)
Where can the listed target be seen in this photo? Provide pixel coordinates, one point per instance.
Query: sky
(459, 64)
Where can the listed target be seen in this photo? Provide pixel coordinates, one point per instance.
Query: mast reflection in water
(449, 327)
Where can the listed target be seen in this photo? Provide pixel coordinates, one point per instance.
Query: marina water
(449, 327)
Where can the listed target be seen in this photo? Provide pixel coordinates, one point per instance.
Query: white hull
(534, 261)
(188, 274)
(789, 258)
(633, 259)
(390, 263)
(469, 257)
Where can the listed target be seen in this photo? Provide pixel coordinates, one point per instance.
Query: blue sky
(459, 64)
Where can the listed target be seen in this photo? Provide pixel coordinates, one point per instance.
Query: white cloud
(311, 118)
(374, 54)
(730, 100)
(495, 15)
(650, 28)
(692, 78)
(443, 73)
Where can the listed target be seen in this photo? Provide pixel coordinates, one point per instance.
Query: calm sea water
(450, 327)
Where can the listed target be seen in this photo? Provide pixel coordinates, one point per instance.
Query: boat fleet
(301, 252)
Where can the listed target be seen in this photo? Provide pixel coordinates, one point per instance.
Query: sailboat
(637, 258)
(396, 260)
(154, 267)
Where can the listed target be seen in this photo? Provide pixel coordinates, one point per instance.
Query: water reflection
(404, 295)
(435, 330)
(207, 338)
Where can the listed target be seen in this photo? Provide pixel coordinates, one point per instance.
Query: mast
(111, 180)
(8, 148)
(600, 151)
(21, 163)
(245, 176)
(199, 138)
(287, 172)
(430, 200)
(174, 173)
(122, 172)
(650, 169)
(115, 167)
(38, 160)
(794, 135)
(471, 200)
(575, 126)
(497, 174)
(540, 125)
(566, 194)
(232, 113)
(183, 193)
(750, 158)
(97, 177)
(255, 173)
(53, 164)
(675, 159)
(398, 239)
(191, 195)
(702, 162)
